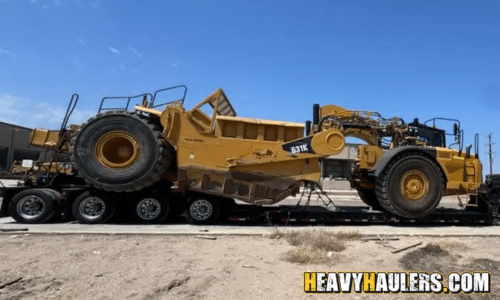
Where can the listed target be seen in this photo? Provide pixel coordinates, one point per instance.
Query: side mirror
(456, 129)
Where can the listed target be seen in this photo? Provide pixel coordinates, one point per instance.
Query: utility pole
(491, 153)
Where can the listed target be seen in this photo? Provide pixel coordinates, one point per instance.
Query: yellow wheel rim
(117, 150)
(414, 185)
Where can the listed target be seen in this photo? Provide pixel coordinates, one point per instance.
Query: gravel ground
(227, 267)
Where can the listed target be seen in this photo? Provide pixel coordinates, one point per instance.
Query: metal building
(14, 145)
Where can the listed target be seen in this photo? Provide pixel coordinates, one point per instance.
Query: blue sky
(274, 59)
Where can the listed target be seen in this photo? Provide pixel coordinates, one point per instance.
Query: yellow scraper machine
(160, 159)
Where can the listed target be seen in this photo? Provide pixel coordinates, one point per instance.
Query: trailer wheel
(369, 197)
(410, 187)
(152, 209)
(121, 152)
(93, 207)
(33, 206)
(58, 205)
(202, 211)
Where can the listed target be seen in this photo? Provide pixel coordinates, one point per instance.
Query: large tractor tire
(121, 152)
(369, 197)
(411, 186)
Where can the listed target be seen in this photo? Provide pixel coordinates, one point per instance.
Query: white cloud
(28, 113)
(7, 53)
(114, 50)
(81, 41)
(135, 52)
(175, 65)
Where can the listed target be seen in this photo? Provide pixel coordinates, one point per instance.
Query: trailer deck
(290, 215)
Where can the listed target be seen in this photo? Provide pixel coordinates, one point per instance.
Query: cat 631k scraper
(211, 156)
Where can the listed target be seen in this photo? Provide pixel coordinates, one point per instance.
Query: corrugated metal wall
(14, 145)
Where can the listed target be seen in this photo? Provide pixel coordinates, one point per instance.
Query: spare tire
(121, 152)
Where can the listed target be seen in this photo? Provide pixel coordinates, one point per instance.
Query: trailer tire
(121, 152)
(411, 186)
(94, 207)
(202, 211)
(58, 204)
(152, 209)
(369, 197)
(33, 206)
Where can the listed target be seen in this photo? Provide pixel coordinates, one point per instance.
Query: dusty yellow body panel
(52, 139)
(463, 175)
(255, 129)
(368, 156)
(240, 157)
(44, 138)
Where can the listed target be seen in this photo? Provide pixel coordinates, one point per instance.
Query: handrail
(129, 98)
(69, 111)
(150, 98)
(152, 103)
(476, 145)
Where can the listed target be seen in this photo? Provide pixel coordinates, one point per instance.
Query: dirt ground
(227, 267)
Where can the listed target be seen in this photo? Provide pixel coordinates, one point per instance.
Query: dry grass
(348, 235)
(276, 234)
(452, 245)
(317, 239)
(315, 246)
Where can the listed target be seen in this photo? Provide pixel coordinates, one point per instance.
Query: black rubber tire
(43, 196)
(388, 189)
(58, 204)
(369, 197)
(150, 209)
(226, 206)
(155, 160)
(88, 201)
(202, 211)
(494, 197)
